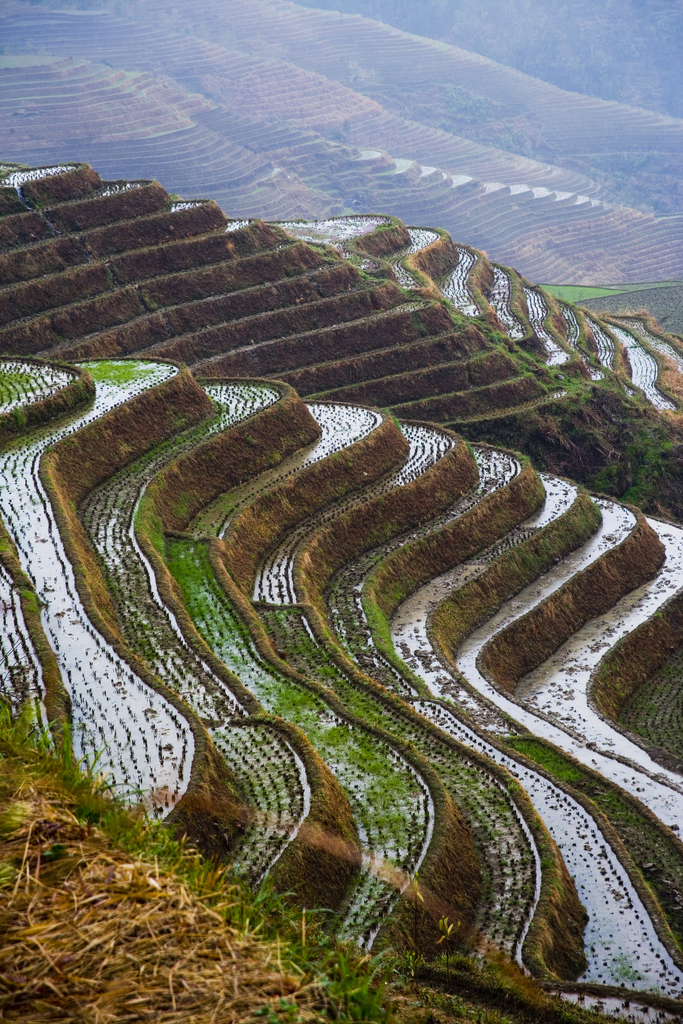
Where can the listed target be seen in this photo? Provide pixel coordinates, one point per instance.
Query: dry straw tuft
(88, 934)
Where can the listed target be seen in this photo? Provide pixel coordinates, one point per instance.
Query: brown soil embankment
(231, 275)
(324, 283)
(464, 405)
(68, 472)
(480, 283)
(92, 454)
(528, 642)
(395, 327)
(50, 257)
(187, 254)
(70, 322)
(412, 385)
(318, 866)
(60, 188)
(222, 462)
(9, 201)
(260, 526)
(26, 417)
(96, 211)
(23, 229)
(341, 373)
(156, 229)
(450, 880)
(65, 287)
(436, 259)
(266, 326)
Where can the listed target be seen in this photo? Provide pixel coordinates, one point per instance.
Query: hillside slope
(630, 54)
(333, 643)
(362, 89)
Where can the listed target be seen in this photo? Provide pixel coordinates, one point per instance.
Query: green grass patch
(119, 371)
(579, 293)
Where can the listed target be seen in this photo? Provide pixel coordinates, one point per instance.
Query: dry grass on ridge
(88, 934)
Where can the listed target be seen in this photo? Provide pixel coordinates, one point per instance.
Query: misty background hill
(625, 50)
(281, 110)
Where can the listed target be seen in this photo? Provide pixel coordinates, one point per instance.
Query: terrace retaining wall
(529, 641)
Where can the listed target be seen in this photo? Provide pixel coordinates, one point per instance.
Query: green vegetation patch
(577, 292)
(119, 371)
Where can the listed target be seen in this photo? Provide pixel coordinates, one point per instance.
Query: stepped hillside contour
(357, 554)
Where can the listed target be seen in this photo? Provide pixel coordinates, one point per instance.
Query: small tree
(447, 928)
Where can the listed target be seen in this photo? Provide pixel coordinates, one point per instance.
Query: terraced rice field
(538, 312)
(644, 369)
(455, 287)
(500, 301)
(23, 383)
(124, 720)
(398, 665)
